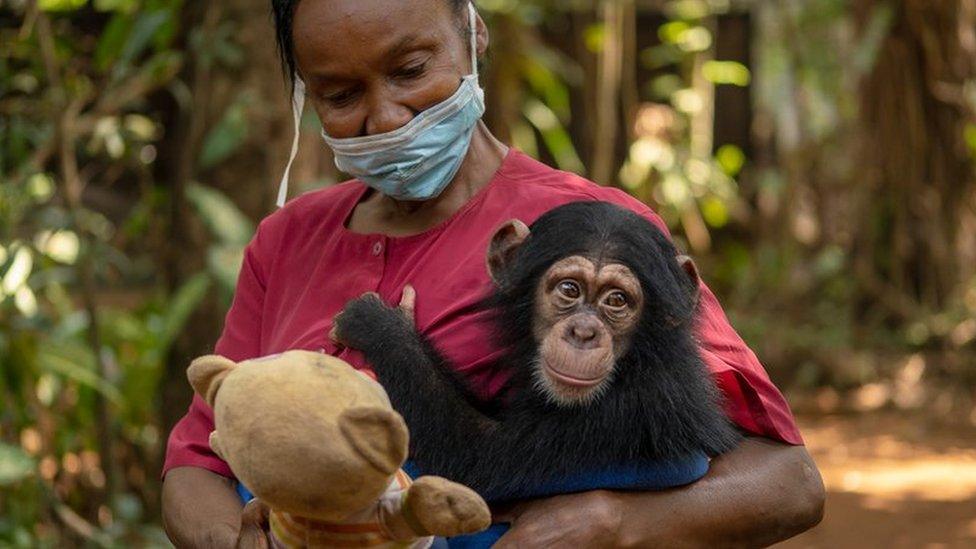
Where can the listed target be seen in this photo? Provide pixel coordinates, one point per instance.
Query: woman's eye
(340, 98)
(410, 71)
(616, 300)
(569, 289)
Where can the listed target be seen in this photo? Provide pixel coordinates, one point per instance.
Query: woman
(395, 86)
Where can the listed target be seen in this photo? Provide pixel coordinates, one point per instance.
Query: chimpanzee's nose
(583, 333)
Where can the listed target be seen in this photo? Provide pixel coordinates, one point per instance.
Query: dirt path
(894, 480)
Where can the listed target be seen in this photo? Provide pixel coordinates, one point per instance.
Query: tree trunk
(918, 174)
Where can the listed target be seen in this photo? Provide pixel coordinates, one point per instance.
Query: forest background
(816, 157)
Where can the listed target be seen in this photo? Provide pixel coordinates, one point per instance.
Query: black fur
(661, 404)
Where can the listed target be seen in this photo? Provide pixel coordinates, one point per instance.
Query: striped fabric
(361, 530)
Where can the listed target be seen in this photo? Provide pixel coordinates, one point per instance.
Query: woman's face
(370, 66)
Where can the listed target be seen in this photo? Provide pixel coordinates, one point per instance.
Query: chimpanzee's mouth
(572, 380)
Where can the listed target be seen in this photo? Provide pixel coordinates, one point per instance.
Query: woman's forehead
(337, 32)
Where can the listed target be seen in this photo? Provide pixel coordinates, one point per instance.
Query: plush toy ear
(503, 245)
(207, 373)
(379, 436)
(215, 445)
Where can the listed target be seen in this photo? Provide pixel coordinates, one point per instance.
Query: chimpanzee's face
(586, 312)
(565, 287)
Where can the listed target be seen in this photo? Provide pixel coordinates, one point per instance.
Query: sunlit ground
(893, 480)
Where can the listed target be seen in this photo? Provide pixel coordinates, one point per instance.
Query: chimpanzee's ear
(688, 266)
(503, 246)
(207, 373)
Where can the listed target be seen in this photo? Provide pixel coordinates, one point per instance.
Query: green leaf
(112, 41)
(115, 5)
(689, 9)
(661, 55)
(594, 36)
(549, 87)
(969, 134)
(523, 137)
(15, 464)
(181, 306)
(226, 137)
(878, 28)
(224, 263)
(77, 363)
(731, 159)
(220, 215)
(554, 135)
(60, 5)
(162, 68)
(726, 72)
(664, 86)
(142, 34)
(670, 33)
(715, 212)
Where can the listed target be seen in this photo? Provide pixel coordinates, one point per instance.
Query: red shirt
(303, 265)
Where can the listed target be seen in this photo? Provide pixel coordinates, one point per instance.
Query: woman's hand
(254, 526)
(587, 519)
(363, 318)
(202, 509)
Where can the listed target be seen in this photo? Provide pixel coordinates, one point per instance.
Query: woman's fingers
(407, 301)
(254, 526)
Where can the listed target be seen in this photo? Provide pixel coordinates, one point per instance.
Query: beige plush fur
(312, 437)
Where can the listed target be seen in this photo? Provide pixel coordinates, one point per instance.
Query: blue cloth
(641, 477)
(244, 493)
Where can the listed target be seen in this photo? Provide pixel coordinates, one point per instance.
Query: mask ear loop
(473, 17)
(297, 106)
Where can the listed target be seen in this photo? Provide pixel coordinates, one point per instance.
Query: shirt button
(377, 248)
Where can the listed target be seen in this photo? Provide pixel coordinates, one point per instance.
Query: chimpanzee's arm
(449, 436)
(449, 431)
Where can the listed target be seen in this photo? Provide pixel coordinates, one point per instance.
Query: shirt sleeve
(751, 400)
(189, 441)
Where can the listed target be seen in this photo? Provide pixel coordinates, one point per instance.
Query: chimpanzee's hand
(367, 320)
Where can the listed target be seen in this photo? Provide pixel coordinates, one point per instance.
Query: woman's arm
(760, 493)
(200, 508)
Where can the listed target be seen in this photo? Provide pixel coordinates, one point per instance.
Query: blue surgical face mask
(416, 161)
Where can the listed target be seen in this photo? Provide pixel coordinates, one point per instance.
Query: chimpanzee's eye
(616, 299)
(570, 289)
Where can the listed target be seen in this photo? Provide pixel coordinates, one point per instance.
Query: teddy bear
(319, 443)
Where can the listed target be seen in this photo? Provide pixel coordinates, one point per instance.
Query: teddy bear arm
(437, 506)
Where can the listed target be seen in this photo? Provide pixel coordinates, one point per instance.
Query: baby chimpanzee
(596, 312)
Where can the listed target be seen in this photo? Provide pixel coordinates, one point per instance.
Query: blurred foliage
(86, 320)
(127, 134)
